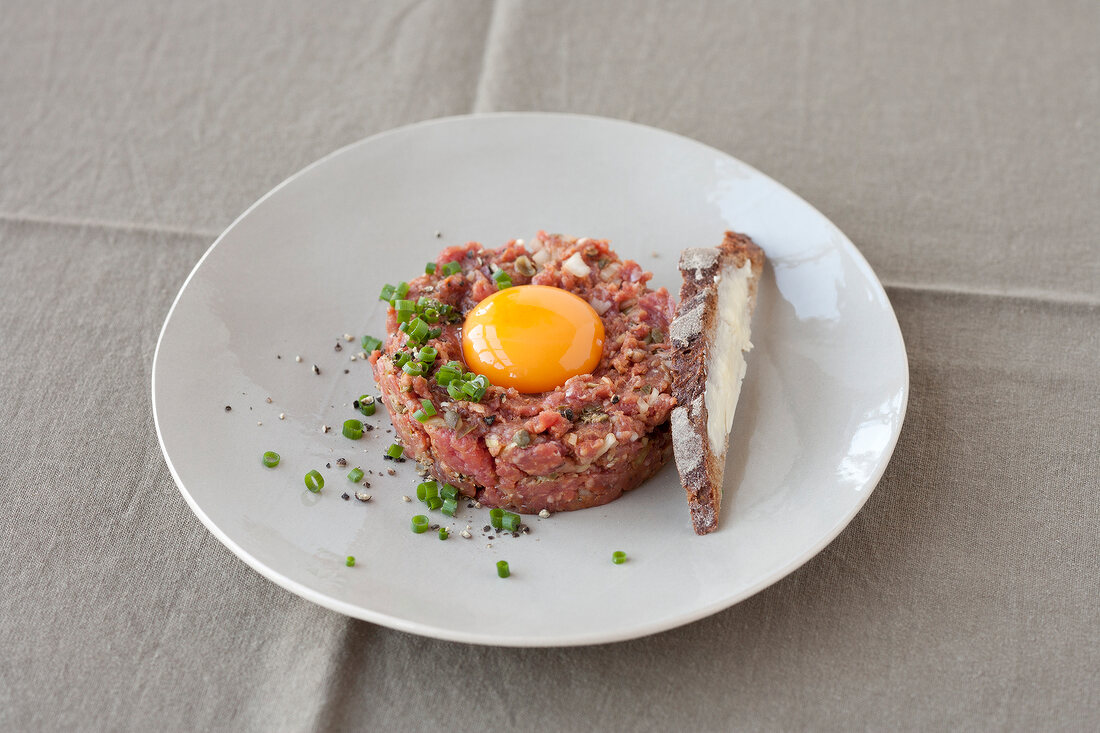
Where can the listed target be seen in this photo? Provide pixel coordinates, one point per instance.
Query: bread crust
(692, 333)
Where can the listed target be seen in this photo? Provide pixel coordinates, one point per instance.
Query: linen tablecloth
(957, 144)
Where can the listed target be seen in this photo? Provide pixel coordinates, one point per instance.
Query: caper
(524, 266)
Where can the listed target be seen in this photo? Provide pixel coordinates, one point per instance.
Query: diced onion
(576, 265)
(609, 442)
(600, 306)
(541, 257)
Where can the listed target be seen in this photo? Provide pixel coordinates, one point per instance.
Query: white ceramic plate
(821, 409)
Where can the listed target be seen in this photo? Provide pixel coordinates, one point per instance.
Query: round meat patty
(580, 445)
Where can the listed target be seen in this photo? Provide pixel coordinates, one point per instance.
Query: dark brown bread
(692, 334)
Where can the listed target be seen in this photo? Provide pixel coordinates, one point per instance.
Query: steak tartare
(578, 445)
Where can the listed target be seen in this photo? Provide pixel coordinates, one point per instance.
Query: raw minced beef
(585, 442)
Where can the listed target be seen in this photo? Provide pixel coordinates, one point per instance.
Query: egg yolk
(532, 338)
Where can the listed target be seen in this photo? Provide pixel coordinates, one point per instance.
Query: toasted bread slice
(710, 337)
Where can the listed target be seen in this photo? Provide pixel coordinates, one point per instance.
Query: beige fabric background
(956, 143)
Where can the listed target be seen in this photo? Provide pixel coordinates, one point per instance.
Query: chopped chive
(502, 569)
(510, 522)
(501, 278)
(418, 330)
(450, 506)
(370, 343)
(350, 562)
(428, 406)
(451, 268)
(315, 482)
(434, 502)
(496, 515)
(353, 429)
(429, 269)
(427, 354)
(448, 491)
(404, 306)
(618, 557)
(426, 489)
(420, 524)
(270, 459)
(444, 533)
(444, 376)
(454, 389)
(401, 358)
(387, 292)
(402, 289)
(434, 333)
(366, 404)
(394, 451)
(413, 369)
(355, 475)
(420, 417)
(431, 315)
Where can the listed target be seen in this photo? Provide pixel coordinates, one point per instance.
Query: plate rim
(573, 639)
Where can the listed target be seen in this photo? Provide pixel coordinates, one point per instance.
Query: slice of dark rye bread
(693, 332)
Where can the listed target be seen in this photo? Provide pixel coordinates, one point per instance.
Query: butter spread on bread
(710, 337)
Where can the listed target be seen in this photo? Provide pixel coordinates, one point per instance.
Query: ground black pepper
(228, 408)
(345, 496)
